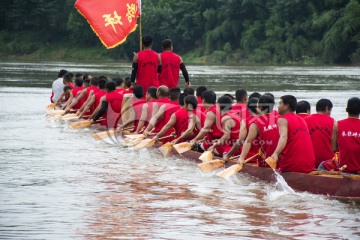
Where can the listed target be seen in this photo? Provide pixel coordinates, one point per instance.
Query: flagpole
(140, 29)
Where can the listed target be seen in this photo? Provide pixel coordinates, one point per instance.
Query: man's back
(169, 74)
(57, 88)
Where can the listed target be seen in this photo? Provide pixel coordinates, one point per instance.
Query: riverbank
(24, 46)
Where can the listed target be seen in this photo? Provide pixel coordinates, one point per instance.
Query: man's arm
(86, 106)
(334, 142)
(143, 118)
(253, 133)
(77, 99)
(283, 130)
(184, 72)
(209, 121)
(166, 128)
(154, 119)
(189, 131)
(100, 110)
(227, 125)
(239, 142)
(134, 68)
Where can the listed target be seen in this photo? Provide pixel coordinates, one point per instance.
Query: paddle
(271, 162)
(166, 148)
(213, 165)
(81, 124)
(182, 147)
(150, 142)
(206, 156)
(234, 168)
(105, 134)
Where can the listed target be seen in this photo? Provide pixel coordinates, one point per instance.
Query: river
(60, 184)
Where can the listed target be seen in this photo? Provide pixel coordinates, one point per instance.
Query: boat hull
(335, 186)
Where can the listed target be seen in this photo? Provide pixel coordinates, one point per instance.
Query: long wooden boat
(334, 186)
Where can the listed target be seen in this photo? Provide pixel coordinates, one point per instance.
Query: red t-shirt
(170, 108)
(75, 92)
(298, 154)
(97, 95)
(349, 144)
(321, 130)
(182, 122)
(268, 137)
(242, 110)
(148, 62)
(234, 134)
(169, 74)
(216, 129)
(113, 112)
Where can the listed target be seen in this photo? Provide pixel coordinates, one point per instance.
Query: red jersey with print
(349, 144)
(268, 137)
(169, 75)
(321, 130)
(298, 154)
(148, 62)
(158, 126)
(170, 108)
(113, 112)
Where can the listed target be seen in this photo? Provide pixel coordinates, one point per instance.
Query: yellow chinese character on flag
(132, 9)
(112, 20)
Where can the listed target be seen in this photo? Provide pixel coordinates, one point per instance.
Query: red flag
(111, 20)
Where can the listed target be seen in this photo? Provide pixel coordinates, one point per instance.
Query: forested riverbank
(203, 31)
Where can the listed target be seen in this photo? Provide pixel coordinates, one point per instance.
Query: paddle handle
(251, 158)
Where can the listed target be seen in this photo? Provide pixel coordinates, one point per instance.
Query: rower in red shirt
(171, 65)
(212, 129)
(237, 146)
(241, 104)
(294, 151)
(183, 121)
(94, 101)
(137, 102)
(75, 92)
(321, 127)
(199, 91)
(263, 132)
(109, 107)
(146, 65)
(303, 109)
(84, 94)
(166, 108)
(232, 126)
(147, 109)
(346, 137)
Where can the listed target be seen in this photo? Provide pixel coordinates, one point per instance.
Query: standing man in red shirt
(321, 126)
(171, 64)
(346, 137)
(146, 65)
(294, 151)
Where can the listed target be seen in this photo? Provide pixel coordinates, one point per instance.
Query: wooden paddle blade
(271, 162)
(166, 148)
(229, 171)
(102, 135)
(51, 106)
(182, 147)
(82, 124)
(211, 166)
(135, 136)
(55, 112)
(206, 156)
(145, 143)
(67, 116)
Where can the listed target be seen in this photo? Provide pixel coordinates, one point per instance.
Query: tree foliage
(265, 31)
